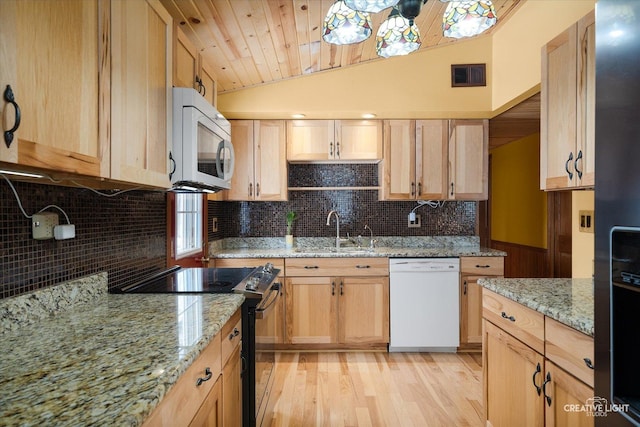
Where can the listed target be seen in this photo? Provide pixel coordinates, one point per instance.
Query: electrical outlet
(42, 225)
(416, 223)
(214, 225)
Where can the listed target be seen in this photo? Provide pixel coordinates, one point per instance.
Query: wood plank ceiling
(516, 123)
(253, 42)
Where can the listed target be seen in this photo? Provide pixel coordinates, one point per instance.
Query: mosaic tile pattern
(123, 235)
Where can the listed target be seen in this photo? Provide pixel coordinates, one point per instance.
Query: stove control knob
(252, 284)
(268, 267)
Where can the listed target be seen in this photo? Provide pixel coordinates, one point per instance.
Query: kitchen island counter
(569, 301)
(108, 361)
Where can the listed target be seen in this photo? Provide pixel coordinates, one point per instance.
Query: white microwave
(202, 156)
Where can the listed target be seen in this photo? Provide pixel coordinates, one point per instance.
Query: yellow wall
(419, 85)
(582, 243)
(518, 207)
(412, 86)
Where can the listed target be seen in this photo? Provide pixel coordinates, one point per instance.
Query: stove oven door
(269, 333)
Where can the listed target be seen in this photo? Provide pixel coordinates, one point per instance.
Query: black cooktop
(190, 280)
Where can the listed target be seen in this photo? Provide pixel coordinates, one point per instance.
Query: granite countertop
(387, 247)
(569, 301)
(104, 362)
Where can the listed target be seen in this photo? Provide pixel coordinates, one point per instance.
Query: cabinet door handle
(207, 377)
(452, 188)
(9, 97)
(234, 334)
(465, 288)
(566, 166)
(588, 362)
(544, 389)
(250, 189)
(173, 161)
(538, 370)
(338, 149)
(331, 150)
(413, 189)
(504, 316)
(419, 189)
(575, 165)
(341, 288)
(333, 288)
(257, 189)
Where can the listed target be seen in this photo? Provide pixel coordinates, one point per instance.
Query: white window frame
(188, 224)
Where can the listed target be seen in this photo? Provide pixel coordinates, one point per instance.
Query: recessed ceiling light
(368, 116)
(298, 116)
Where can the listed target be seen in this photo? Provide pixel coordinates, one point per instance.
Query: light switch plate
(214, 225)
(586, 221)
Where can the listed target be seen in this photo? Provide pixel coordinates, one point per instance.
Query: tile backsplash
(125, 235)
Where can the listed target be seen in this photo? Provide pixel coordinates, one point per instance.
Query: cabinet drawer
(482, 266)
(301, 267)
(185, 397)
(522, 322)
(568, 349)
(231, 336)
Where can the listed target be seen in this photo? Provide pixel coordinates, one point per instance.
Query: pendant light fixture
(371, 6)
(397, 36)
(343, 25)
(468, 18)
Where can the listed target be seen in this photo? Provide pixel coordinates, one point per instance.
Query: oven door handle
(265, 306)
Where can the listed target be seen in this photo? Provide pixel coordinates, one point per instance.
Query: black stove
(190, 280)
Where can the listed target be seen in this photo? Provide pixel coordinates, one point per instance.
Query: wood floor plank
(361, 389)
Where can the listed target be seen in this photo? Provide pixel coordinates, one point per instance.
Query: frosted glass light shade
(396, 36)
(468, 18)
(343, 25)
(372, 6)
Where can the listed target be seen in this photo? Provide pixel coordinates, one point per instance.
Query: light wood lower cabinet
(324, 310)
(472, 269)
(523, 383)
(215, 401)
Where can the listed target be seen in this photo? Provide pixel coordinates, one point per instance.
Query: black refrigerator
(617, 213)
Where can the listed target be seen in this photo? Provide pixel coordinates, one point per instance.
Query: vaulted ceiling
(252, 42)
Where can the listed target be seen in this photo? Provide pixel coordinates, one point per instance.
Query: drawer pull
(310, 267)
(482, 266)
(234, 334)
(544, 389)
(363, 266)
(504, 316)
(208, 375)
(588, 362)
(538, 370)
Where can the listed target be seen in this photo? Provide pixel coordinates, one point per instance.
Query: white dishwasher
(424, 304)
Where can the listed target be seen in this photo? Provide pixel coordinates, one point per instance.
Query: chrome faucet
(372, 241)
(337, 226)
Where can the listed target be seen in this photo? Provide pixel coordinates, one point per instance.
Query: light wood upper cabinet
(190, 69)
(567, 127)
(54, 57)
(141, 111)
(261, 167)
(435, 159)
(468, 160)
(334, 140)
